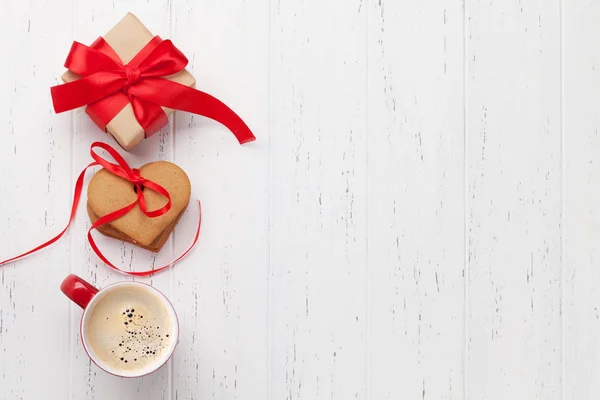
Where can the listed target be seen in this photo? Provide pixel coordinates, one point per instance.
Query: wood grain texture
(581, 100)
(34, 180)
(513, 200)
(416, 200)
(221, 289)
(318, 121)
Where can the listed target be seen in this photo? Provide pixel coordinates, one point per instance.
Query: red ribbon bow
(107, 86)
(123, 170)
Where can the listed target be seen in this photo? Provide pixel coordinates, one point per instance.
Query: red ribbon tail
(76, 197)
(180, 97)
(201, 103)
(118, 214)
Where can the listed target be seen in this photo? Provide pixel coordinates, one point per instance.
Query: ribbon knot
(107, 86)
(136, 178)
(122, 169)
(132, 73)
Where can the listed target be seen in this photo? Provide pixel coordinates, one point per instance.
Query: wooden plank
(91, 21)
(222, 288)
(416, 200)
(35, 177)
(581, 100)
(318, 156)
(513, 199)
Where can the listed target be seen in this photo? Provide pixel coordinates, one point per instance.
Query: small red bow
(107, 86)
(132, 175)
(123, 170)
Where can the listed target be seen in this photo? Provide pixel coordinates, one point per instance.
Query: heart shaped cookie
(108, 192)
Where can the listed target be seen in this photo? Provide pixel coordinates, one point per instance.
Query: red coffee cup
(113, 330)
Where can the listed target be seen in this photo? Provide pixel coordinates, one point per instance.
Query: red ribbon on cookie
(122, 169)
(107, 86)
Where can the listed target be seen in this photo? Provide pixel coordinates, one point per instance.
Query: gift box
(130, 81)
(127, 38)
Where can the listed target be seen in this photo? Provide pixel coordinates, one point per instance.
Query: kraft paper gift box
(127, 38)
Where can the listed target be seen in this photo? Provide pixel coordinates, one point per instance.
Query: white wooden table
(418, 219)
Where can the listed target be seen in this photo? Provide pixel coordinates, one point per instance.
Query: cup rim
(98, 363)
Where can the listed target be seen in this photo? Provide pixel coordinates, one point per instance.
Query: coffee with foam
(129, 329)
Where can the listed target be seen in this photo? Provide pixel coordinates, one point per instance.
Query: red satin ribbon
(107, 86)
(123, 170)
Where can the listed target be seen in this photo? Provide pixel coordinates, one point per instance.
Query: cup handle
(78, 290)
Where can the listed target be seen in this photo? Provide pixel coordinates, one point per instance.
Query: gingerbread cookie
(108, 192)
(155, 246)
